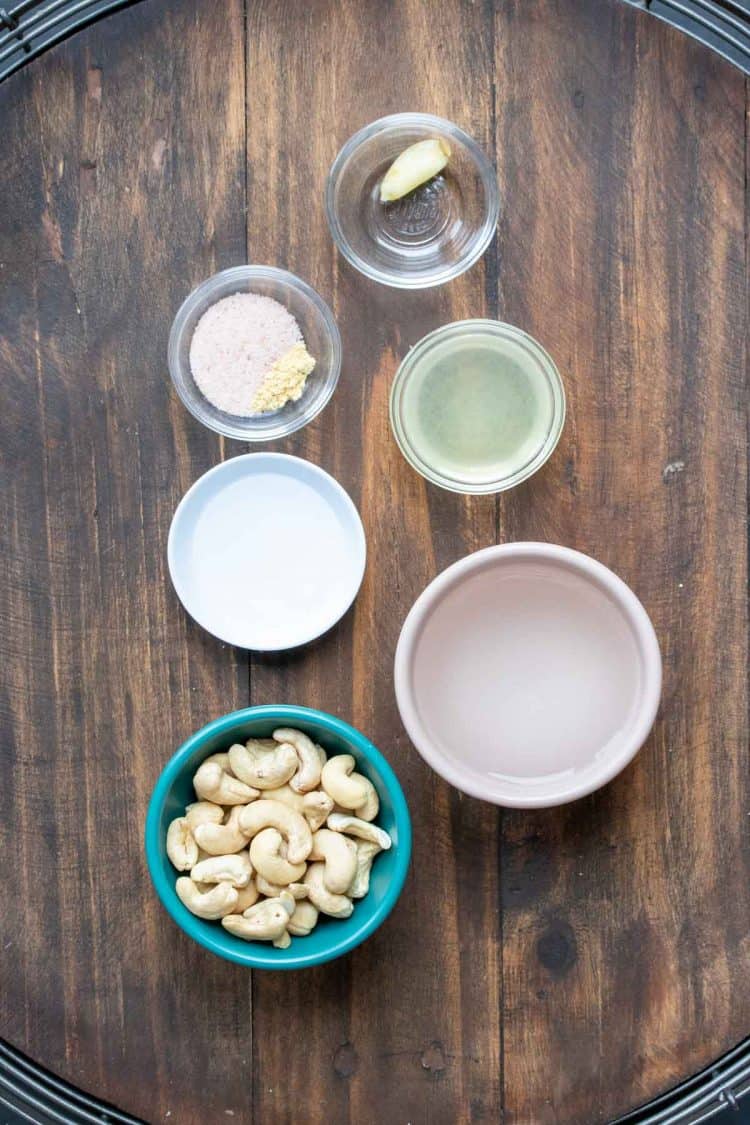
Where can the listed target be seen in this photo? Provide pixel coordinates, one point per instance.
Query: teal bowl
(331, 937)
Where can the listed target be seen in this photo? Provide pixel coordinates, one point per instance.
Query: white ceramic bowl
(266, 551)
(528, 674)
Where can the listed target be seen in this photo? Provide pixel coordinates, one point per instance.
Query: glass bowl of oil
(477, 406)
(432, 234)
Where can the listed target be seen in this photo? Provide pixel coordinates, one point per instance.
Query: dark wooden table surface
(554, 966)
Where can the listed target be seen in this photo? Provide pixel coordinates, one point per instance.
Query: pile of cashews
(279, 834)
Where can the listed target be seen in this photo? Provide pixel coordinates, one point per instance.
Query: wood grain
(126, 175)
(419, 1040)
(625, 922)
(547, 967)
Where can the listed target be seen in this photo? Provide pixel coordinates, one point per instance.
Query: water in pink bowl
(526, 672)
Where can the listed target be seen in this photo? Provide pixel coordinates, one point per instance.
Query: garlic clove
(414, 166)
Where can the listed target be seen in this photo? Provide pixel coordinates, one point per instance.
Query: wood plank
(124, 162)
(626, 916)
(406, 1028)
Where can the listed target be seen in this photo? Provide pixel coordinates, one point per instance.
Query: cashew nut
(212, 783)
(273, 890)
(264, 769)
(203, 812)
(211, 904)
(234, 869)
(266, 856)
(370, 809)
(321, 754)
(354, 826)
(266, 921)
(222, 839)
(292, 826)
(348, 789)
(221, 759)
(314, 806)
(340, 857)
(261, 744)
(307, 776)
(302, 922)
(247, 897)
(366, 852)
(181, 847)
(287, 796)
(337, 906)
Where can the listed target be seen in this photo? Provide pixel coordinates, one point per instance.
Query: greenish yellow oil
(477, 408)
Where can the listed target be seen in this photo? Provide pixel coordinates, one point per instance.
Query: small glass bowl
(431, 235)
(318, 328)
(539, 374)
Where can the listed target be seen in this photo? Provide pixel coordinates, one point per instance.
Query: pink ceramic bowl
(528, 675)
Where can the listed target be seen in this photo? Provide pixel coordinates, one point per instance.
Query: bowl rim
(489, 789)
(313, 470)
(489, 177)
(257, 956)
(249, 272)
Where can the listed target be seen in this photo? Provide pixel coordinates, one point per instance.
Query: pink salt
(235, 343)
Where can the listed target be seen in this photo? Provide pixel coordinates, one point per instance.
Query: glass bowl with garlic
(412, 201)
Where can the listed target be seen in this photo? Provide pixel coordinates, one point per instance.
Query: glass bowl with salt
(254, 353)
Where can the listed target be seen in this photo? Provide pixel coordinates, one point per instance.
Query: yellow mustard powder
(285, 380)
